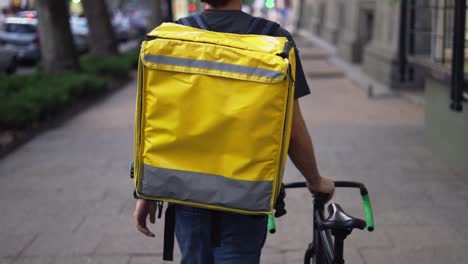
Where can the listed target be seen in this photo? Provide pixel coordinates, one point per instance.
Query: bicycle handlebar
(368, 212)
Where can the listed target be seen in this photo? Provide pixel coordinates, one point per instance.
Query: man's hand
(324, 185)
(142, 210)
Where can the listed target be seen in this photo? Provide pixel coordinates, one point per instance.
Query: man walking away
(241, 237)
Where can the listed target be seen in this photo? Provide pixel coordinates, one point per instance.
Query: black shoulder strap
(195, 21)
(169, 232)
(215, 229)
(262, 26)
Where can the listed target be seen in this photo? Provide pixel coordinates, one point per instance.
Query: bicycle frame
(324, 249)
(327, 250)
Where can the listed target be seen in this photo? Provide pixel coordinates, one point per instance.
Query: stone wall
(381, 57)
(446, 131)
(367, 32)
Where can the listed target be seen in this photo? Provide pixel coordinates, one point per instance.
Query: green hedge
(118, 65)
(26, 99)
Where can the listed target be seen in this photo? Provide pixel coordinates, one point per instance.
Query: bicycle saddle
(339, 220)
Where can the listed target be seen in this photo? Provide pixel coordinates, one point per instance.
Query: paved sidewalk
(65, 197)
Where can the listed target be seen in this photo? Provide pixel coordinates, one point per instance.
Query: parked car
(80, 31)
(7, 60)
(123, 28)
(21, 34)
(27, 14)
(2, 18)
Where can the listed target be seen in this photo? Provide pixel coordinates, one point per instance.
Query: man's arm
(301, 152)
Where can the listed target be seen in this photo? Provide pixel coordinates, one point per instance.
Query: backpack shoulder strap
(195, 21)
(262, 26)
(169, 232)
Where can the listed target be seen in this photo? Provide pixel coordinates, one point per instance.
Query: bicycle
(324, 249)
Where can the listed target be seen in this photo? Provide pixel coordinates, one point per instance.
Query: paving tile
(273, 258)
(416, 237)
(352, 256)
(130, 244)
(64, 244)
(6, 260)
(155, 258)
(147, 260)
(321, 69)
(12, 244)
(92, 260)
(365, 239)
(34, 260)
(432, 255)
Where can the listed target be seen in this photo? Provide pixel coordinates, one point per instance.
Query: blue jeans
(241, 237)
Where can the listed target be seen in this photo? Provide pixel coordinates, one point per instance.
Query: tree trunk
(300, 17)
(170, 12)
(101, 33)
(156, 13)
(57, 48)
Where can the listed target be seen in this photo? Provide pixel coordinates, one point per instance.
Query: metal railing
(436, 30)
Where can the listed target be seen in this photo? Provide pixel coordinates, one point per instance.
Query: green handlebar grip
(271, 224)
(368, 212)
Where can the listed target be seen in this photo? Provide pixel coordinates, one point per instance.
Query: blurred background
(387, 107)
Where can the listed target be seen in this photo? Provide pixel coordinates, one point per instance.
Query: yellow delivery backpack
(213, 118)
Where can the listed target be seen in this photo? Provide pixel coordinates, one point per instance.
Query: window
(443, 32)
(20, 28)
(438, 34)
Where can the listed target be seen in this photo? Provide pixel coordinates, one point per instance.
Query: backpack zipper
(282, 162)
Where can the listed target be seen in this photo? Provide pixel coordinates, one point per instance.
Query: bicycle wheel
(309, 257)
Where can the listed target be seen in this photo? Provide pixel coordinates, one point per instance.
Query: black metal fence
(437, 31)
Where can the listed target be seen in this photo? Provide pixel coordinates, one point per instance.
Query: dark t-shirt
(238, 22)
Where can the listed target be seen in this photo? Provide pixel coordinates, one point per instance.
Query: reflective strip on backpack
(211, 65)
(206, 189)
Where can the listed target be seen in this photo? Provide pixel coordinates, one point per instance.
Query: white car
(21, 34)
(80, 31)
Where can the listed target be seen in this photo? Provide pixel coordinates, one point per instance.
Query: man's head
(217, 3)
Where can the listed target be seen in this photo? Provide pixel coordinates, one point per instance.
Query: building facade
(366, 33)
(406, 44)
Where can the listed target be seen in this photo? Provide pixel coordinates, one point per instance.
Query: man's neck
(232, 5)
